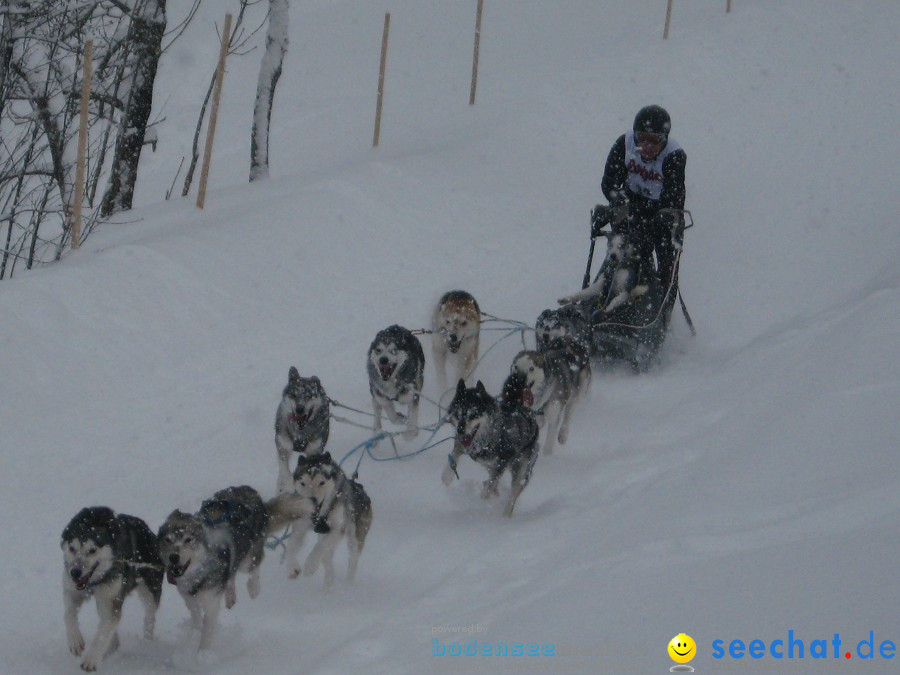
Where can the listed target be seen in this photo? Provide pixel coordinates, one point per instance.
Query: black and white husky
(106, 556)
(302, 422)
(499, 435)
(396, 368)
(203, 552)
(330, 504)
(569, 321)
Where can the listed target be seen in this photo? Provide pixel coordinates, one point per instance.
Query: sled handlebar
(681, 215)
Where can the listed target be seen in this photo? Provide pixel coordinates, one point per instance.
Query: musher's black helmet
(653, 119)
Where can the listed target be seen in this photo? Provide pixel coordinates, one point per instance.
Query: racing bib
(645, 178)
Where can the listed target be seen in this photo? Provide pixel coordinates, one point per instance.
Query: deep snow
(748, 487)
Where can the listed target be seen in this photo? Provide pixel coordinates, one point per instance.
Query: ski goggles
(647, 138)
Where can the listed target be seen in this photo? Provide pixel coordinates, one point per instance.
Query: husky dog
(302, 422)
(499, 435)
(555, 379)
(107, 556)
(332, 505)
(624, 277)
(396, 367)
(456, 326)
(203, 552)
(568, 321)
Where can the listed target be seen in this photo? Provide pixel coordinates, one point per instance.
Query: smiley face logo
(682, 648)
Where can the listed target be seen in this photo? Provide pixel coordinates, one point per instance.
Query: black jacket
(615, 177)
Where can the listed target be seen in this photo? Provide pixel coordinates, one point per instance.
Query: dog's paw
(310, 568)
(410, 433)
(76, 643)
(230, 596)
(447, 475)
(562, 435)
(253, 586)
(90, 663)
(294, 572)
(489, 490)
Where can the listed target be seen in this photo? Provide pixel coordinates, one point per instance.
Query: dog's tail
(284, 509)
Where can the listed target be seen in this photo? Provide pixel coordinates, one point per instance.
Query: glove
(677, 234)
(619, 212)
(599, 218)
(673, 223)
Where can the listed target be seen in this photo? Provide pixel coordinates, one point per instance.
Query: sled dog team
(107, 555)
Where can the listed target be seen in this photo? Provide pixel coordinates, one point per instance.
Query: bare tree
(41, 43)
(269, 72)
(237, 44)
(144, 42)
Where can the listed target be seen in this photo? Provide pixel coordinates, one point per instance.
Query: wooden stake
(82, 142)
(475, 55)
(384, 46)
(214, 112)
(668, 19)
(728, 5)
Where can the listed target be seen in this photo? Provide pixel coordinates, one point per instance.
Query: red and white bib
(645, 178)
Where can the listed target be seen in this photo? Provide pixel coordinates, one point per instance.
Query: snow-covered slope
(748, 487)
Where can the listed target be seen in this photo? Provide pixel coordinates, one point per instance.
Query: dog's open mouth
(82, 582)
(298, 418)
(527, 397)
(386, 370)
(453, 345)
(467, 439)
(175, 571)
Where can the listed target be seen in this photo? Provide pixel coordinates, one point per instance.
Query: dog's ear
(326, 457)
(460, 387)
(293, 374)
(479, 387)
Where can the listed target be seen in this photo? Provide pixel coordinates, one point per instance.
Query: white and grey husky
(203, 552)
(396, 368)
(499, 435)
(302, 422)
(106, 556)
(455, 333)
(555, 379)
(623, 279)
(330, 504)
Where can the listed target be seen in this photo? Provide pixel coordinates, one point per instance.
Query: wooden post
(475, 55)
(728, 5)
(82, 142)
(214, 112)
(668, 19)
(384, 46)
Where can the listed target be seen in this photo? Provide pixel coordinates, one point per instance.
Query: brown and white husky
(456, 326)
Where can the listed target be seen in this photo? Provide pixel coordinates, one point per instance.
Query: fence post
(384, 47)
(475, 54)
(214, 112)
(82, 142)
(668, 19)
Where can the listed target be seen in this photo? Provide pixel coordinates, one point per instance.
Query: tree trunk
(148, 23)
(269, 72)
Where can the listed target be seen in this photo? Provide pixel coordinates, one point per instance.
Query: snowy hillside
(747, 489)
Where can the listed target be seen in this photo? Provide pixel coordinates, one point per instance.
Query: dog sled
(628, 306)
